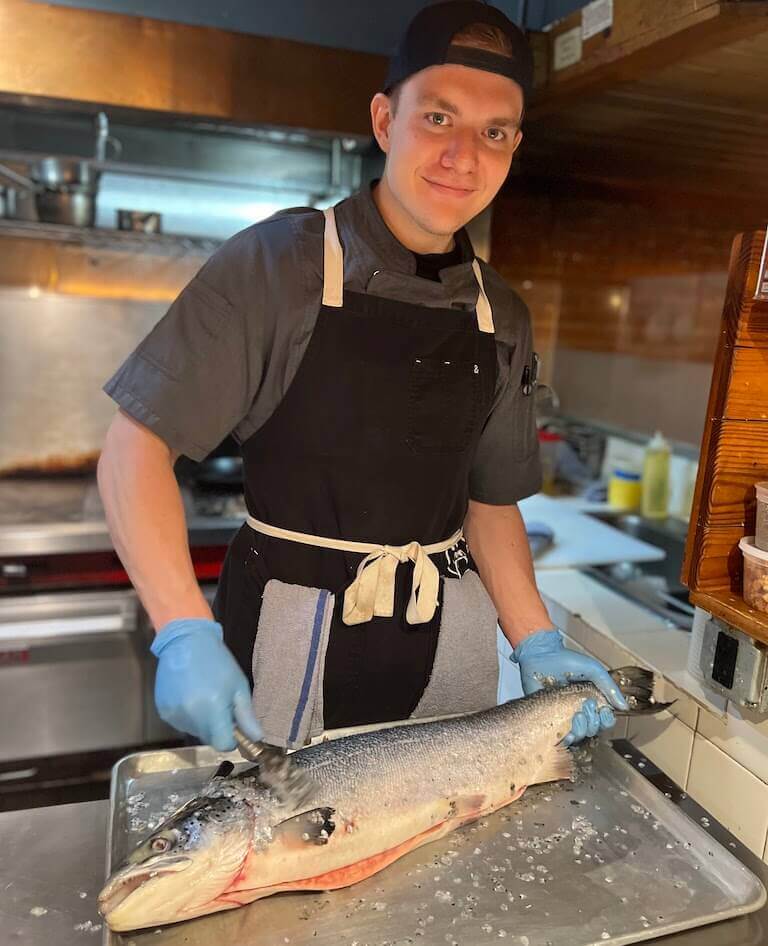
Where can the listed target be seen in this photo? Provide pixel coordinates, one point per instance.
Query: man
(377, 377)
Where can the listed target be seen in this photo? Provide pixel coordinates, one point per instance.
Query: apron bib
(349, 596)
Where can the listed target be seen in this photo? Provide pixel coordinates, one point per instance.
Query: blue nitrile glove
(199, 688)
(543, 657)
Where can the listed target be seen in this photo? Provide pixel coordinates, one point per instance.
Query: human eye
(440, 119)
(496, 134)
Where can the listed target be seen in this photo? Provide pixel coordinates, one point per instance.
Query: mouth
(122, 885)
(450, 190)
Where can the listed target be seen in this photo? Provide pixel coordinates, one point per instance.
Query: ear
(381, 119)
(518, 139)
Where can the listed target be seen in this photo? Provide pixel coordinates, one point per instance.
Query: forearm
(145, 516)
(498, 543)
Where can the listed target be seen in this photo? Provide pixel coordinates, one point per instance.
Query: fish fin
(557, 766)
(310, 827)
(637, 685)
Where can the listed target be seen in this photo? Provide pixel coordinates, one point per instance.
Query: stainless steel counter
(50, 857)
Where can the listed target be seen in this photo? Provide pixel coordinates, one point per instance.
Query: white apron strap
(483, 307)
(333, 263)
(372, 593)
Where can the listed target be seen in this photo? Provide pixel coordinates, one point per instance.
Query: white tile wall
(720, 760)
(730, 793)
(741, 735)
(666, 741)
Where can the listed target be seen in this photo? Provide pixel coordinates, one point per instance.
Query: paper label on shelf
(596, 17)
(567, 49)
(761, 291)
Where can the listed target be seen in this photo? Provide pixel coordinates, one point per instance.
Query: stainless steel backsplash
(56, 351)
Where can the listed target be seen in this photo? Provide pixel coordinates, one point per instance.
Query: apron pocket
(443, 403)
(288, 660)
(465, 672)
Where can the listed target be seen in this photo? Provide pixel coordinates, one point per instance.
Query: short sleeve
(194, 376)
(507, 467)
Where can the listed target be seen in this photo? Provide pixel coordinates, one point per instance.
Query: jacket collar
(366, 236)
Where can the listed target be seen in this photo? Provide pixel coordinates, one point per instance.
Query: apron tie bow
(372, 593)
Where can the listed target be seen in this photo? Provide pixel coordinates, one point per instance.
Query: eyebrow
(446, 106)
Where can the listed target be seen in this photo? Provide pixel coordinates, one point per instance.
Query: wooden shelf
(732, 609)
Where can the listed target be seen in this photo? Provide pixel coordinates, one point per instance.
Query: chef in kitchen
(378, 378)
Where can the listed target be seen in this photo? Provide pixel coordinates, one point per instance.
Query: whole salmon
(376, 796)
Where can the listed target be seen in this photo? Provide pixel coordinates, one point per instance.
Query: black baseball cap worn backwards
(427, 42)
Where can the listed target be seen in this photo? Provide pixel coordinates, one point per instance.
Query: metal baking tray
(608, 859)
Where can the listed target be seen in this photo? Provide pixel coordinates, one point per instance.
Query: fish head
(180, 870)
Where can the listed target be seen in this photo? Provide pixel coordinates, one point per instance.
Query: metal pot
(57, 173)
(74, 206)
(65, 203)
(17, 204)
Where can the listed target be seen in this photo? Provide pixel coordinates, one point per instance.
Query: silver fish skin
(377, 796)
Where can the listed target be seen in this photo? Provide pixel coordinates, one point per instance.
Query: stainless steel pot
(64, 173)
(73, 206)
(64, 191)
(17, 204)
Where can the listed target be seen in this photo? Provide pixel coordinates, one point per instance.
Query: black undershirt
(428, 265)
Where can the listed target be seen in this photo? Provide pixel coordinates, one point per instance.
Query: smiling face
(449, 140)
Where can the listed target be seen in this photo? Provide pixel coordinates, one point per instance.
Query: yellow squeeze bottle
(656, 478)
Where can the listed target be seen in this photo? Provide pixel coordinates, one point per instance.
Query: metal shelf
(128, 241)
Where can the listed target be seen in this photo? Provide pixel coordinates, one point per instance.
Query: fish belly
(361, 852)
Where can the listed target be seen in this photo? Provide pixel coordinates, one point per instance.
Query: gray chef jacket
(225, 353)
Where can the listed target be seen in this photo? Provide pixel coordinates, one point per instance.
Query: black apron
(373, 442)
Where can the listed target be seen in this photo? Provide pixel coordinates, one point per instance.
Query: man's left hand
(543, 658)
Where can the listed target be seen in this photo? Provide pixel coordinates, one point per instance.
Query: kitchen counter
(581, 539)
(52, 867)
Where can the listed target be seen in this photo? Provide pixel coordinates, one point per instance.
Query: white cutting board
(581, 539)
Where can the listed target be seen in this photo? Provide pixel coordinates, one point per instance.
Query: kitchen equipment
(64, 190)
(755, 574)
(17, 204)
(649, 870)
(541, 538)
(139, 221)
(734, 665)
(761, 517)
(70, 673)
(287, 781)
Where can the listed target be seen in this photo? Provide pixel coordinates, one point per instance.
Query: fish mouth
(130, 879)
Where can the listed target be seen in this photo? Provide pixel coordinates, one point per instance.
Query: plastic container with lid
(761, 519)
(755, 574)
(624, 489)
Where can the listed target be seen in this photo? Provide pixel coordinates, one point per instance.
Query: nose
(460, 153)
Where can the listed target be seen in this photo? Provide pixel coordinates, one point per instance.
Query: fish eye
(159, 845)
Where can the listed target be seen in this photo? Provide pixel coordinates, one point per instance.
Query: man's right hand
(200, 688)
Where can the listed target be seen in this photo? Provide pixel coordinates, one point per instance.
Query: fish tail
(637, 685)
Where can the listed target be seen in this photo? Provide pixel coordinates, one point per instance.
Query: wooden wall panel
(752, 330)
(734, 453)
(747, 397)
(719, 566)
(740, 460)
(638, 274)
